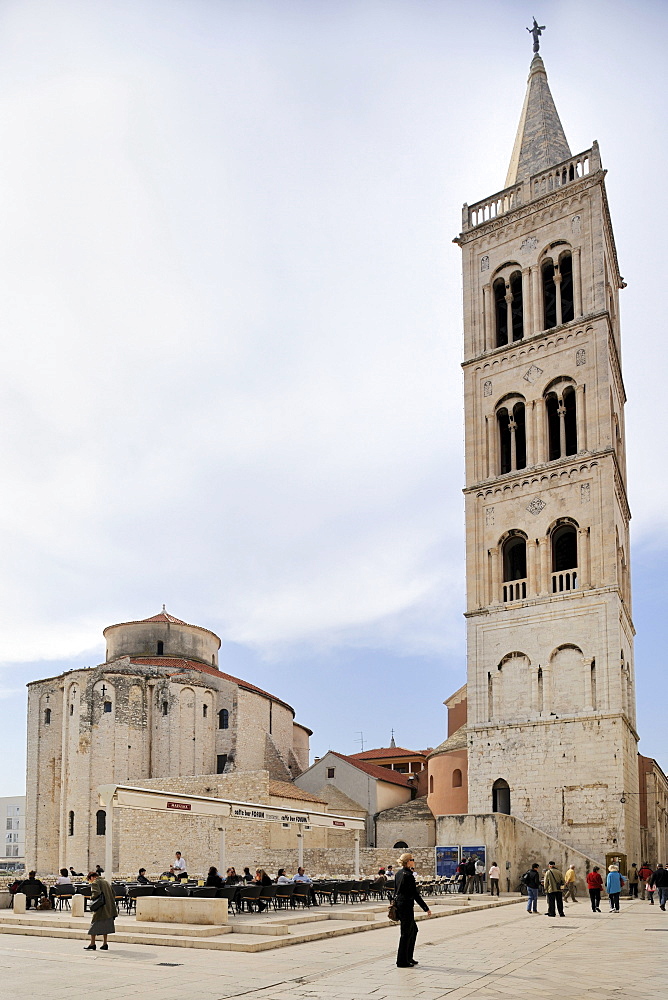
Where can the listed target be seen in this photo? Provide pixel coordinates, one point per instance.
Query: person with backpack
(595, 884)
(531, 880)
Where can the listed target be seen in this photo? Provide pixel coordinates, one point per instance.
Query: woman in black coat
(405, 896)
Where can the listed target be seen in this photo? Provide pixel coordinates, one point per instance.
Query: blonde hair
(613, 868)
(404, 859)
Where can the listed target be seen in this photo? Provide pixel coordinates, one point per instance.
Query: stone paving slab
(485, 955)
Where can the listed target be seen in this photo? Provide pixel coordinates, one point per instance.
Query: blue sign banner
(447, 859)
(477, 853)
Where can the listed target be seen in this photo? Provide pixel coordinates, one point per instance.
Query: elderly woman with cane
(405, 896)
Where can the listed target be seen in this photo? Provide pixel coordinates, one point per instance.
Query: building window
(71, 709)
(223, 719)
(107, 706)
(221, 761)
(161, 647)
(456, 778)
(165, 707)
(70, 824)
(512, 438)
(501, 797)
(508, 309)
(564, 558)
(331, 771)
(9, 824)
(431, 784)
(561, 424)
(205, 711)
(47, 716)
(515, 568)
(401, 845)
(100, 823)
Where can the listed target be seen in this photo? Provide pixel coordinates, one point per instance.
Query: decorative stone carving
(536, 506)
(580, 356)
(585, 492)
(529, 244)
(484, 262)
(487, 388)
(489, 516)
(532, 374)
(576, 225)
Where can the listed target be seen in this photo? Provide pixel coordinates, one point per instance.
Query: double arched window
(508, 308)
(557, 283)
(511, 424)
(562, 430)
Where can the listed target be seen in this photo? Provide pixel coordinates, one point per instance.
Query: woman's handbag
(97, 903)
(392, 913)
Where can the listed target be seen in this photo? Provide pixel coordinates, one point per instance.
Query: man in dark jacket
(470, 875)
(660, 882)
(532, 881)
(461, 874)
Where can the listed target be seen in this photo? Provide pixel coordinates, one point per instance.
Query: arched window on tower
(508, 309)
(501, 796)
(540, 690)
(515, 568)
(223, 719)
(512, 437)
(557, 281)
(161, 647)
(100, 823)
(431, 784)
(564, 558)
(562, 434)
(456, 778)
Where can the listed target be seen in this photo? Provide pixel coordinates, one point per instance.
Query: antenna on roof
(392, 743)
(360, 740)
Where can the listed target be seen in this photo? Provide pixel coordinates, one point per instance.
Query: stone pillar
(536, 317)
(577, 283)
(19, 903)
(495, 596)
(541, 446)
(488, 320)
(529, 432)
(581, 417)
(492, 447)
(357, 854)
(561, 410)
(300, 849)
(221, 848)
(526, 302)
(533, 575)
(584, 572)
(512, 427)
(109, 841)
(544, 553)
(589, 699)
(557, 288)
(78, 905)
(509, 313)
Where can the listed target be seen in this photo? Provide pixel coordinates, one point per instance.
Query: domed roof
(163, 617)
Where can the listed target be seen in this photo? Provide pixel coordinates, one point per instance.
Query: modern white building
(13, 818)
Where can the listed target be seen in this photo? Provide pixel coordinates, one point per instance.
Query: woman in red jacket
(595, 883)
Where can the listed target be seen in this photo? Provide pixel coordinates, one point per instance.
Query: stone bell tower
(551, 696)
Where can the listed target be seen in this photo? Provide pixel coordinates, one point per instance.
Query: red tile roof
(286, 790)
(205, 668)
(383, 773)
(165, 618)
(383, 752)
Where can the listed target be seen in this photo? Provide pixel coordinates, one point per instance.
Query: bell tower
(551, 697)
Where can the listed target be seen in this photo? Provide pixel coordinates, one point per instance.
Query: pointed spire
(392, 743)
(540, 140)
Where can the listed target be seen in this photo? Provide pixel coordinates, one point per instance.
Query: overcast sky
(230, 311)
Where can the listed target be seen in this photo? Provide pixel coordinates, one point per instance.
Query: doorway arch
(501, 796)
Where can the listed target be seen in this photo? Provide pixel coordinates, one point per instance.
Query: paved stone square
(499, 953)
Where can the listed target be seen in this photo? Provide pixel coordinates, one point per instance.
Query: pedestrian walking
(531, 880)
(644, 874)
(614, 883)
(405, 896)
(553, 883)
(634, 878)
(494, 876)
(569, 885)
(595, 884)
(659, 881)
(104, 913)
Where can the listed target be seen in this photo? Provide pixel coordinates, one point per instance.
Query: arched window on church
(565, 290)
(562, 434)
(512, 437)
(161, 647)
(223, 719)
(47, 716)
(508, 309)
(514, 568)
(501, 796)
(70, 824)
(564, 558)
(456, 778)
(557, 281)
(431, 784)
(100, 823)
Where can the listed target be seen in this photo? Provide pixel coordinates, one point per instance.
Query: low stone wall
(334, 861)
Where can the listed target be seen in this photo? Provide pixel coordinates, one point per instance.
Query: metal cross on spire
(536, 31)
